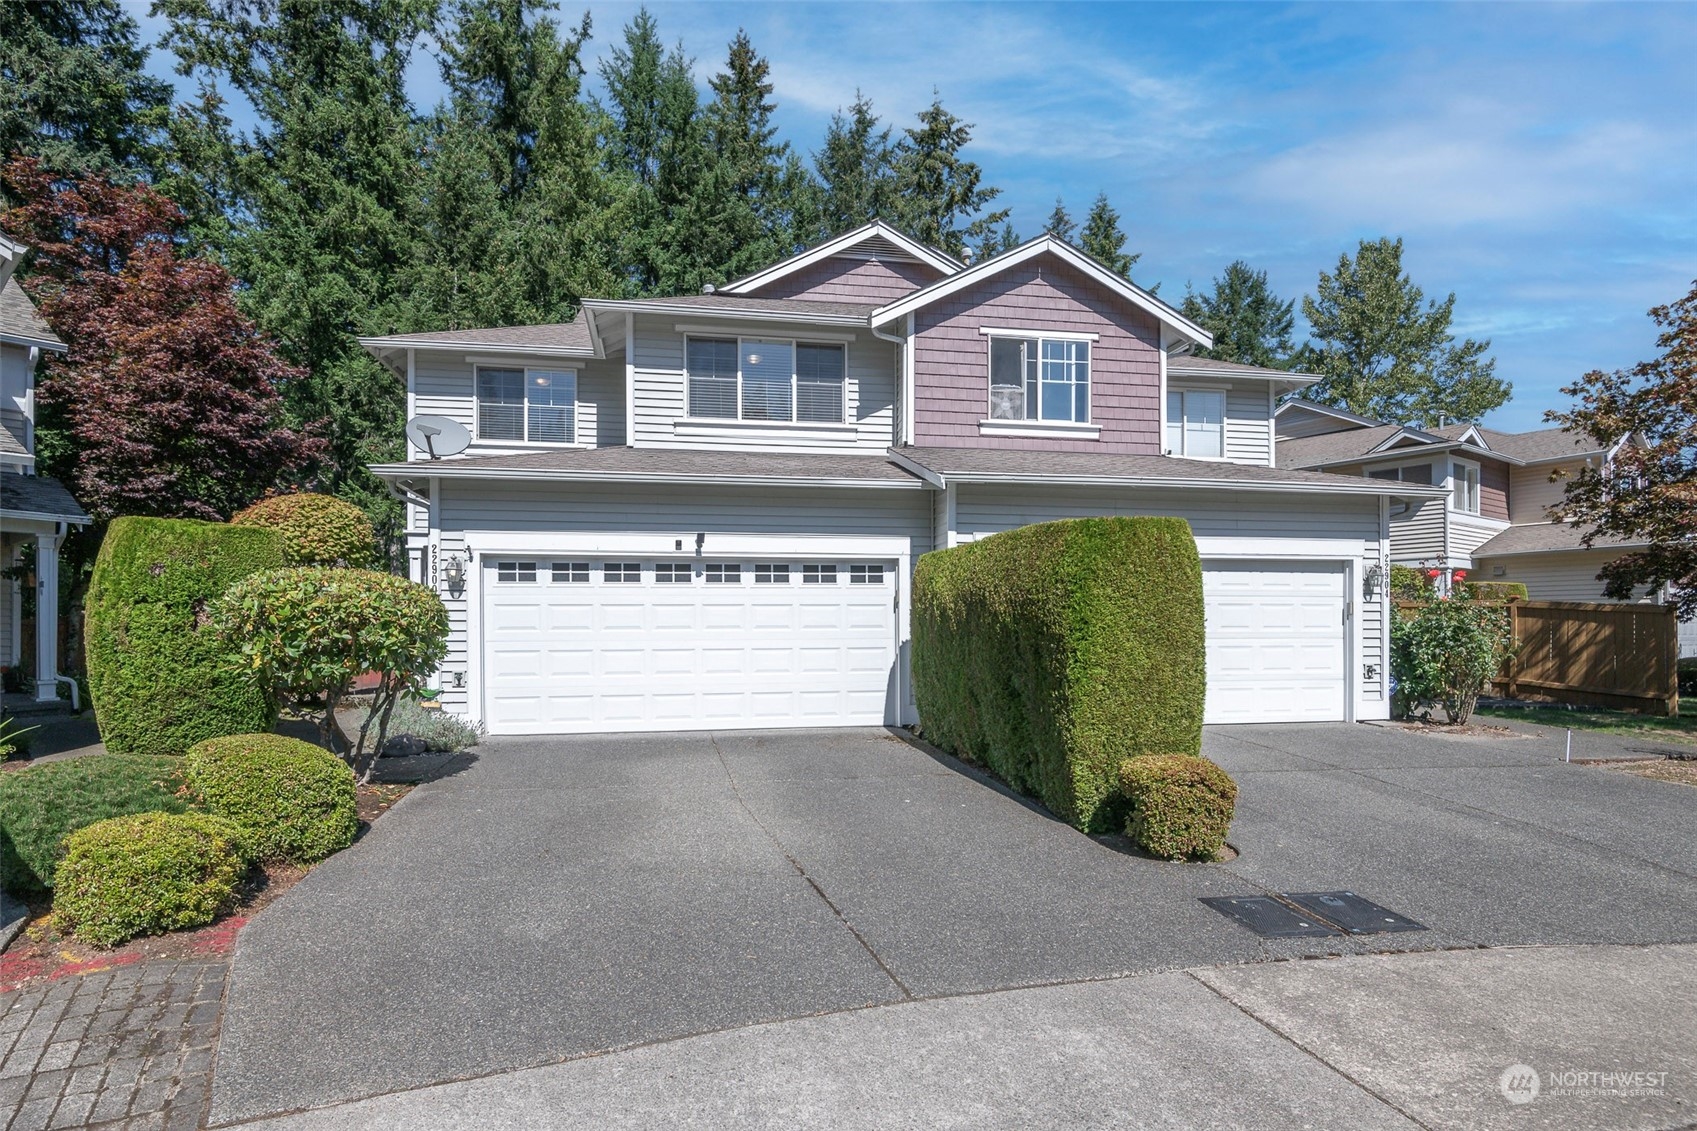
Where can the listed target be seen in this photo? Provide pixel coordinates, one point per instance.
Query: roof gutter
(44, 516)
(444, 469)
(1344, 487)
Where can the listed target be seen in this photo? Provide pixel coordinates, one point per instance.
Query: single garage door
(1276, 641)
(585, 645)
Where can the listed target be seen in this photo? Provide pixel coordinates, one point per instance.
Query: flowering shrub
(1445, 651)
(311, 631)
(316, 529)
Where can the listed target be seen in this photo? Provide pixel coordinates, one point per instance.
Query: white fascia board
(378, 346)
(1344, 487)
(837, 246)
(34, 343)
(1406, 433)
(1047, 245)
(444, 469)
(43, 516)
(734, 313)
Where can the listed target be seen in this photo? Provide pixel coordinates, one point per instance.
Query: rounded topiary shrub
(1181, 805)
(316, 529)
(294, 801)
(147, 874)
(161, 677)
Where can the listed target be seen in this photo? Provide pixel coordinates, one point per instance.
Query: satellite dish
(438, 436)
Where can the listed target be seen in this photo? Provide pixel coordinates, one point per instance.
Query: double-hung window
(1464, 487)
(1039, 379)
(767, 379)
(1196, 423)
(531, 405)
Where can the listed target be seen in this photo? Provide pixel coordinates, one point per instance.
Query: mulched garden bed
(41, 953)
(1446, 730)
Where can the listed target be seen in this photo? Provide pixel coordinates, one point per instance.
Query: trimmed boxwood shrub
(1051, 653)
(40, 805)
(160, 676)
(294, 801)
(147, 874)
(1181, 806)
(316, 529)
(1496, 590)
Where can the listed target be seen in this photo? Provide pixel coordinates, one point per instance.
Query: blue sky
(1539, 161)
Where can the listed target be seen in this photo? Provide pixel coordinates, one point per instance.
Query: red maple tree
(168, 402)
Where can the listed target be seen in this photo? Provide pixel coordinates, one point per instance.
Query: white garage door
(1276, 641)
(590, 644)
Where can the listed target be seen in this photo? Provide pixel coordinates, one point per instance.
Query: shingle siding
(845, 279)
(951, 359)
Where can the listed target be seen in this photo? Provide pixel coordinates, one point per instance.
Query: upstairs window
(1196, 423)
(1039, 379)
(1420, 473)
(1464, 487)
(769, 379)
(528, 405)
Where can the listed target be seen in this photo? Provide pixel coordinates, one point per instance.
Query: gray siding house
(704, 511)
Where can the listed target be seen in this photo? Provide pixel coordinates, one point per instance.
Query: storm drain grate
(1268, 917)
(1354, 914)
(1310, 914)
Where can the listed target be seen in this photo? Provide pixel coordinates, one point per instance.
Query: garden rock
(404, 746)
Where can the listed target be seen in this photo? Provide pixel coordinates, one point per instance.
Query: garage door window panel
(571, 573)
(621, 573)
(515, 572)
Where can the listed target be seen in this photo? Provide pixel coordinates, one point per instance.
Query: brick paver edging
(130, 1047)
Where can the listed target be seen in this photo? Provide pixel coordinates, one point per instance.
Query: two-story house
(1493, 519)
(704, 511)
(34, 509)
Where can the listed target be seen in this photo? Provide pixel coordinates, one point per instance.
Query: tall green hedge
(1051, 653)
(160, 677)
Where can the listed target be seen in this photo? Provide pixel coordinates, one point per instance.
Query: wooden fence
(1593, 654)
(1597, 654)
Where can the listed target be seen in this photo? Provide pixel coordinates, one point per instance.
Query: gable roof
(11, 254)
(21, 325)
(1543, 445)
(1547, 538)
(1333, 447)
(1046, 244)
(874, 239)
(720, 305)
(1298, 404)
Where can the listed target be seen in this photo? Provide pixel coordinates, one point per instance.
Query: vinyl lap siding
(1248, 439)
(444, 385)
(1419, 533)
(1531, 491)
(1468, 534)
(952, 359)
(1570, 576)
(661, 405)
(846, 279)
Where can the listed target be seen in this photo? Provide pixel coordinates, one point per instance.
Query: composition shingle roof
(38, 494)
(1025, 463)
(20, 321)
(666, 463)
(750, 304)
(573, 335)
(1546, 443)
(1329, 447)
(1545, 537)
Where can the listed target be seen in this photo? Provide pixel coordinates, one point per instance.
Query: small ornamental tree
(312, 631)
(1445, 651)
(316, 529)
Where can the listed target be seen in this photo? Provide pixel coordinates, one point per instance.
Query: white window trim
(1043, 427)
(1040, 429)
(690, 421)
(1478, 489)
(1166, 420)
(477, 436)
(1366, 472)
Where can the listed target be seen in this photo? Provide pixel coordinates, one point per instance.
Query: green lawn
(1681, 730)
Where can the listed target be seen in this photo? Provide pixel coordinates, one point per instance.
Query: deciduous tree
(1648, 494)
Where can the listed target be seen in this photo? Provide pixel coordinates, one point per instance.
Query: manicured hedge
(147, 874)
(41, 804)
(1052, 653)
(1497, 590)
(316, 529)
(294, 801)
(1181, 806)
(160, 677)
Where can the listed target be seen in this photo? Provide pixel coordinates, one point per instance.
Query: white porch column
(46, 617)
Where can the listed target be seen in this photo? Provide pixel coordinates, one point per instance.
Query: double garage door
(588, 644)
(581, 645)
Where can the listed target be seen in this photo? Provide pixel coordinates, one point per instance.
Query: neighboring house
(33, 508)
(1492, 520)
(704, 511)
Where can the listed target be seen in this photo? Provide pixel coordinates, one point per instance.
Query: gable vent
(876, 247)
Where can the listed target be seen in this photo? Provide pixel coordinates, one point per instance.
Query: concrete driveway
(569, 896)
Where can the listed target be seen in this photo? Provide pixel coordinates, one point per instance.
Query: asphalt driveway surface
(560, 897)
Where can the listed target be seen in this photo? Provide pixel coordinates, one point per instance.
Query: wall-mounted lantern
(1372, 581)
(454, 573)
